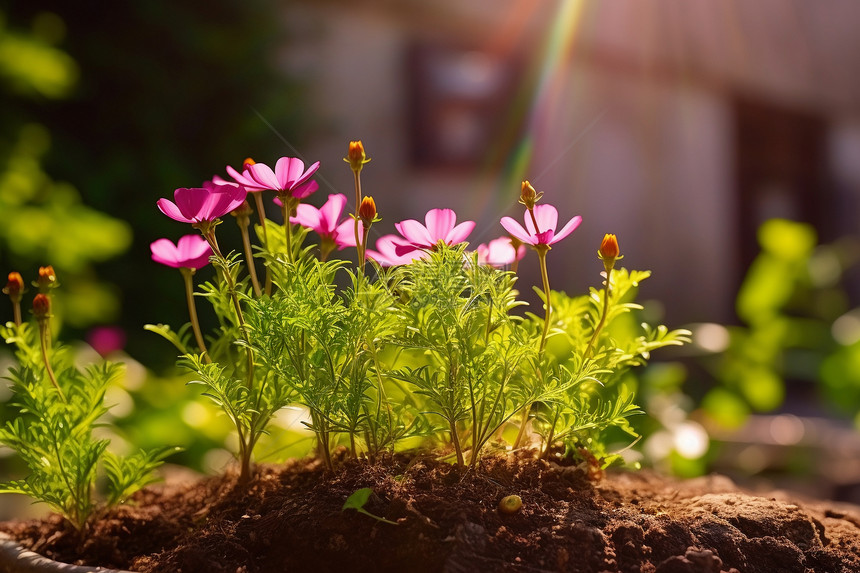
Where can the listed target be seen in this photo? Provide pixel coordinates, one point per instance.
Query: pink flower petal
(459, 233)
(415, 232)
(546, 216)
(171, 210)
(331, 210)
(439, 223)
(164, 252)
(192, 202)
(288, 170)
(310, 217)
(567, 229)
(304, 190)
(244, 179)
(263, 176)
(307, 174)
(516, 230)
(344, 235)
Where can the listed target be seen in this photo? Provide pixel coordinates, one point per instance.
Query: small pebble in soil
(510, 504)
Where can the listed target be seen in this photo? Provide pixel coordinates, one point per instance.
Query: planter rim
(16, 559)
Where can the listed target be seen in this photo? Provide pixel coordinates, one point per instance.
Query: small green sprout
(357, 500)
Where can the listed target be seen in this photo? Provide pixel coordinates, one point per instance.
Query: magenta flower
(500, 253)
(190, 252)
(386, 252)
(288, 178)
(203, 204)
(546, 217)
(326, 223)
(440, 226)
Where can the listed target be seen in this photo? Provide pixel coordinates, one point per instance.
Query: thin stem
(243, 223)
(16, 312)
(541, 250)
(192, 312)
(261, 215)
(359, 245)
(286, 210)
(44, 336)
(456, 441)
(231, 287)
(602, 322)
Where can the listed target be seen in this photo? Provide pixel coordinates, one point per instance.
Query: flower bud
(242, 211)
(355, 156)
(41, 307)
(14, 287)
(528, 196)
(609, 251)
(47, 279)
(367, 212)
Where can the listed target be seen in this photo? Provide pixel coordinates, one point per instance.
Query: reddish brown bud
(14, 286)
(609, 251)
(367, 211)
(47, 278)
(41, 306)
(242, 211)
(356, 156)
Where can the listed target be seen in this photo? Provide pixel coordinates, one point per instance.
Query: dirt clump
(290, 517)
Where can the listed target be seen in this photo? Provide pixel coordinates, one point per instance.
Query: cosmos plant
(430, 343)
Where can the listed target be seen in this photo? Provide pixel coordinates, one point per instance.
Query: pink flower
(499, 252)
(191, 252)
(547, 219)
(288, 178)
(325, 221)
(106, 339)
(198, 204)
(440, 227)
(386, 252)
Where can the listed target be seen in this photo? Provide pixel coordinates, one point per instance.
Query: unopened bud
(242, 211)
(41, 306)
(14, 287)
(609, 251)
(356, 156)
(47, 279)
(528, 196)
(367, 212)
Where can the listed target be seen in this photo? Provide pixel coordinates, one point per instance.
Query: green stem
(286, 210)
(44, 336)
(261, 215)
(192, 312)
(231, 287)
(358, 242)
(602, 322)
(16, 312)
(541, 250)
(243, 223)
(456, 441)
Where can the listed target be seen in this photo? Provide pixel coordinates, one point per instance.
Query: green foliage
(53, 434)
(797, 327)
(433, 350)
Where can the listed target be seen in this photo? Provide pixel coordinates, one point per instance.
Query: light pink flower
(191, 252)
(288, 178)
(500, 252)
(326, 222)
(440, 226)
(547, 219)
(386, 252)
(198, 204)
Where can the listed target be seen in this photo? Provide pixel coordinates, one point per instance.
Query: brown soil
(289, 519)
